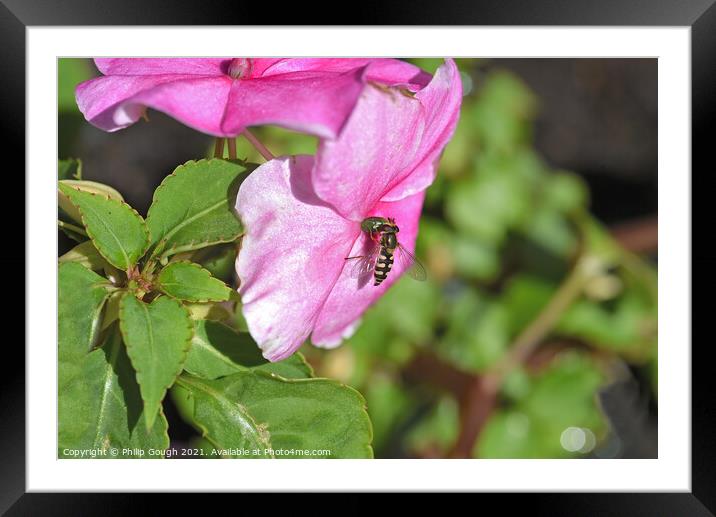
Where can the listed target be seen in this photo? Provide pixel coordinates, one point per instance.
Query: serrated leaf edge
(96, 330)
(93, 237)
(354, 392)
(104, 189)
(62, 258)
(137, 371)
(165, 428)
(242, 368)
(195, 245)
(192, 246)
(78, 173)
(195, 300)
(314, 380)
(186, 379)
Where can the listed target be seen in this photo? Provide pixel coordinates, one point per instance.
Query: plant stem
(232, 148)
(530, 337)
(481, 396)
(219, 148)
(261, 148)
(72, 228)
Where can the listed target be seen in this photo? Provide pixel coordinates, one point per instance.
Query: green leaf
(524, 297)
(99, 403)
(111, 309)
(409, 309)
(81, 296)
(389, 406)
(477, 333)
(117, 230)
(158, 336)
(92, 187)
(501, 115)
(562, 396)
(100, 408)
(194, 207)
(86, 254)
(623, 325)
(275, 417)
(69, 169)
(218, 350)
(552, 232)
(70, 73)
(488, 204)
(600, 243)
(191, 282)
(565, 192)
(438, 430)
(222, 263)
(475, 258)
(207, 311)
(74, 232)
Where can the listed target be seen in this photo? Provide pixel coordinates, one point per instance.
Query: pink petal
(291, 255)
(418, 180)
(115, 102)
(161, 66)
(313, 101)
(441, 99)
(393, 72)
(375, 150)
(350, 297)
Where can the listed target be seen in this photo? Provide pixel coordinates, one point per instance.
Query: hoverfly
(378, 260)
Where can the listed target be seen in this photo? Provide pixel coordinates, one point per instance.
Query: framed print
(432, 255)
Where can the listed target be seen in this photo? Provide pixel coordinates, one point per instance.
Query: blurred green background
(535, 335)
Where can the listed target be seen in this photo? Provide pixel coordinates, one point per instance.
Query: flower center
(240, 68)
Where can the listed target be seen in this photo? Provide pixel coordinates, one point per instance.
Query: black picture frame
(700, 15)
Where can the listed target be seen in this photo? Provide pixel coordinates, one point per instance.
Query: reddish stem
(219, 148)
(261, 148)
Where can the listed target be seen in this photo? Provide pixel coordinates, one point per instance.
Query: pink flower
(222, 97)
(303, 215)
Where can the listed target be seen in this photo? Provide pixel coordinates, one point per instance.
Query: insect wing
(363, 266)
(410, 264)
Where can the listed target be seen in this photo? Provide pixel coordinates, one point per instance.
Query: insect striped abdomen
(383, 265)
